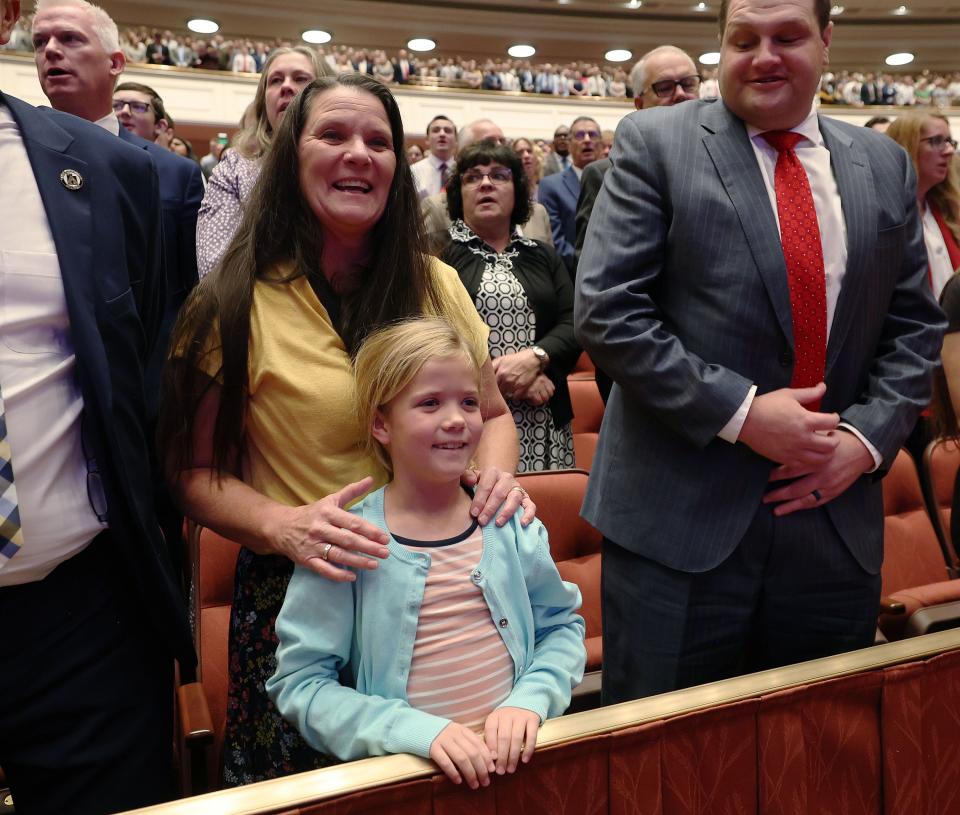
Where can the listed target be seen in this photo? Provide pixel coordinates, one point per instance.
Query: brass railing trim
(320, 785)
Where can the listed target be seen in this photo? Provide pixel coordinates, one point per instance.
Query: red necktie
(803, 254)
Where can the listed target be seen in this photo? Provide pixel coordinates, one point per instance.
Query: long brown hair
(279, 227)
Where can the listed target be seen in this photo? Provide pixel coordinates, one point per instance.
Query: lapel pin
(71, 179)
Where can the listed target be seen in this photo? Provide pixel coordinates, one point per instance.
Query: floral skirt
(258, 744)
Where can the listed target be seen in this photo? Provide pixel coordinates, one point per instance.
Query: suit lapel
(725, 139)
(855, 185)
(70, 218)
(571, 182)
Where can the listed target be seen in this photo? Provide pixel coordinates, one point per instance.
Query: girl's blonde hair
(391, 358)
(905, 130)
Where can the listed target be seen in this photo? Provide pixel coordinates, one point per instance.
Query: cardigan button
(503, 622)
(477, 576)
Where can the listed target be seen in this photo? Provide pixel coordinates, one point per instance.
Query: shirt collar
(809, 128)
(110, 123)
(436, 162)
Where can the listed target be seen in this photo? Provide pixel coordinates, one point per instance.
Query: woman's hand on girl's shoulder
(325, 537)
(498, 490)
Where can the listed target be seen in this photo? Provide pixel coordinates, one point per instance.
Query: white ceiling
(573, 30)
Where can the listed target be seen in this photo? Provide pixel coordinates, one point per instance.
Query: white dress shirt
(41, 396)
(815, 158)
(428, 176)
(941, 270)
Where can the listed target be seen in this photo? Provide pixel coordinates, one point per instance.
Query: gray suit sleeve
(625, 259)
(591, 182)
(900, 379)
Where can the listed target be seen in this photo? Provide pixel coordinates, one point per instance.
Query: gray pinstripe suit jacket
(682, 298)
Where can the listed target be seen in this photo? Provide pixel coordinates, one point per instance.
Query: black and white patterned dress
(504, 307)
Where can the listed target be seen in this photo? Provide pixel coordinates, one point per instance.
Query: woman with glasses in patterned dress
(926, 137)
(523, 292)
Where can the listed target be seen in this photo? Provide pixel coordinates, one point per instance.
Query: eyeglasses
(136, 107)
(667, 87)
(96, 496)
(583, 135)
(939, 142)
(498, 177)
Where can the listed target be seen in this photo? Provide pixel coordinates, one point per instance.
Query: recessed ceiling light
(709, 58)
(316, 36)
(634, 4)
(203, 26)
(700, 7)
(618, 55)
(899, 59)
(521, 51)
(900, 10)
(836, 11)
(421, 44)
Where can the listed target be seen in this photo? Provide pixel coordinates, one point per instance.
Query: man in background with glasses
(754, 280)
(662, 77)
(78, 60)
(141, 112)
(559, 192)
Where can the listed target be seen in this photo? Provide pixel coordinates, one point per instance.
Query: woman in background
(524, 294)
(926, 138)
(531, 157)
(286, 71)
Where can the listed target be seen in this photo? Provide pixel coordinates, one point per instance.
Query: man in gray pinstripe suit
(742, 516)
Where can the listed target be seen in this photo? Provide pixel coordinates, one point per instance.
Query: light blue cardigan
(370, 626)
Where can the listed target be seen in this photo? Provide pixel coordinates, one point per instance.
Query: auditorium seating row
(871, 732)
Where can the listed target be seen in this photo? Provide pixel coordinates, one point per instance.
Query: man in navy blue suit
(92, 609)
(80, 79)
(559, 192)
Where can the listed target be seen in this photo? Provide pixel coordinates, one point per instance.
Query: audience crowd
(142, 45)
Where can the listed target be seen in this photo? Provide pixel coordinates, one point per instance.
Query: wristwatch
(541, 356)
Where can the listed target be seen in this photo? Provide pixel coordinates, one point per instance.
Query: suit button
(786, 359)
(503, 622)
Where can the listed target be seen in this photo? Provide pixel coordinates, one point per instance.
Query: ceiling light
(900, 10)
(201, 26)
(316, 36)
(618, 55)
(421, 44)
(899, 59)
(521, 51)
(634, 4)
(836, 11)
(710, 58)
(700, 7)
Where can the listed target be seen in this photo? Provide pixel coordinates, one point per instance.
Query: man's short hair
(441, 117)
(465, 137)
(583, 119)
(159, 112)
(821, 10)
(103, 26)
(638, 73)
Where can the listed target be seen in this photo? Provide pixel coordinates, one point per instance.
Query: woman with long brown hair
(258, 429)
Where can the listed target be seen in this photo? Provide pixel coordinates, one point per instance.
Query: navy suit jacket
(107, 235)
(181, 193)
(559, 193)
(682, 298)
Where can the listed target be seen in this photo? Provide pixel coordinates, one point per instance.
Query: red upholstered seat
(587, 405)
(914, 571)
(574, 544)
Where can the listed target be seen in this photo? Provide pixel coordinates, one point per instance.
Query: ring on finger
(816, 495)
(326, 551)
(521, 490)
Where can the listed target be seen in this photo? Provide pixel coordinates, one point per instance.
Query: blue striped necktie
(11, 536)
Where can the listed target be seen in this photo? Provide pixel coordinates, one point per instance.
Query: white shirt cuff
(731, 430)
(877, 458)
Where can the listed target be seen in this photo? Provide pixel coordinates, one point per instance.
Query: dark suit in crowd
(86, 686)
(559, 193)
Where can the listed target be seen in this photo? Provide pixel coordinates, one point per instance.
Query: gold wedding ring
(326, 551)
